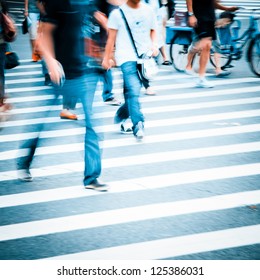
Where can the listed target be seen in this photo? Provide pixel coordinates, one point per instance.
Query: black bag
(26, 24)
(11, 60)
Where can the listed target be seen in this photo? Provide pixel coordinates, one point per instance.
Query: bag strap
(129, 32)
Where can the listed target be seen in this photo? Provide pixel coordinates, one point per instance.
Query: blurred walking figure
(142, 23)
(64, 26)
(161, 16)
(99, 30)
(31, 10)
(4, 107)
(202, 17)
(101, 16)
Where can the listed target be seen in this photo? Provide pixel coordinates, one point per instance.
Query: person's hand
(192, 20)
(108, 63)
(232, 9)
(26, 14)
(54, 70)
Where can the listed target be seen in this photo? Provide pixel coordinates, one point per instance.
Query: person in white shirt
(142, 22)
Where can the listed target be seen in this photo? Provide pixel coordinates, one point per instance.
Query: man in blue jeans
(62, 46)
(142, 23)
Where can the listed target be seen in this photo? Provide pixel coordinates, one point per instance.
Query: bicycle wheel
(254, 55)
(178, 54)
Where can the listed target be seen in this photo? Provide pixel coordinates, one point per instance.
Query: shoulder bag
(146, 65)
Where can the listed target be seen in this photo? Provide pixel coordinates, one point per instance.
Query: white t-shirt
(141, 21)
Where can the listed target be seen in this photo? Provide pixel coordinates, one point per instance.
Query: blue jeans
(82, 88)
(132, 87)
(107, 85)
(2, 71)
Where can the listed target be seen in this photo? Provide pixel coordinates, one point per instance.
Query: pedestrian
(203, 19)
(101, 16)
(160, 12)
(99, 30)
(62, 46)
(161, 16)
(170, 4)
(4, 107)
(142, 23)
(32, 11)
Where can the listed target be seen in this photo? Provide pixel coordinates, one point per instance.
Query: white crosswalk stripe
(174, 194)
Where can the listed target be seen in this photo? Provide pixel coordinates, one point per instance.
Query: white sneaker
(139, 131)
(190, 72)
(203, 83)
(150, 91)
(25, 175)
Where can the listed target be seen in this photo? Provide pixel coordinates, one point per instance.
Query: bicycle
(231, 45)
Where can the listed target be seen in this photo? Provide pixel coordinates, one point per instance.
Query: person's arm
(192, 19)
(224, 8)
(26, 12)
(101, 19)
(47, 49)
(155, 49)
(109, 49)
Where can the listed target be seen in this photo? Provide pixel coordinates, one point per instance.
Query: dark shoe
(97, 185)
(139, 131)
(126, 127)
(25, 175)
(166, 62)
(223, 74)
(113, 101)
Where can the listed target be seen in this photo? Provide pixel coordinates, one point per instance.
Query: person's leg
(107, 95)
(217, 60)
(148, 89)
(192, 51)
(132, 86)
(204, 45)
(33, 35)
(24, 162)
(2, 73)
(47, 79)
(107, 85)
(69, 102)
(164, 56)
(86, 87)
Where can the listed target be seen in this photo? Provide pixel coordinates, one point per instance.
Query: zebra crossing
(189, 190)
